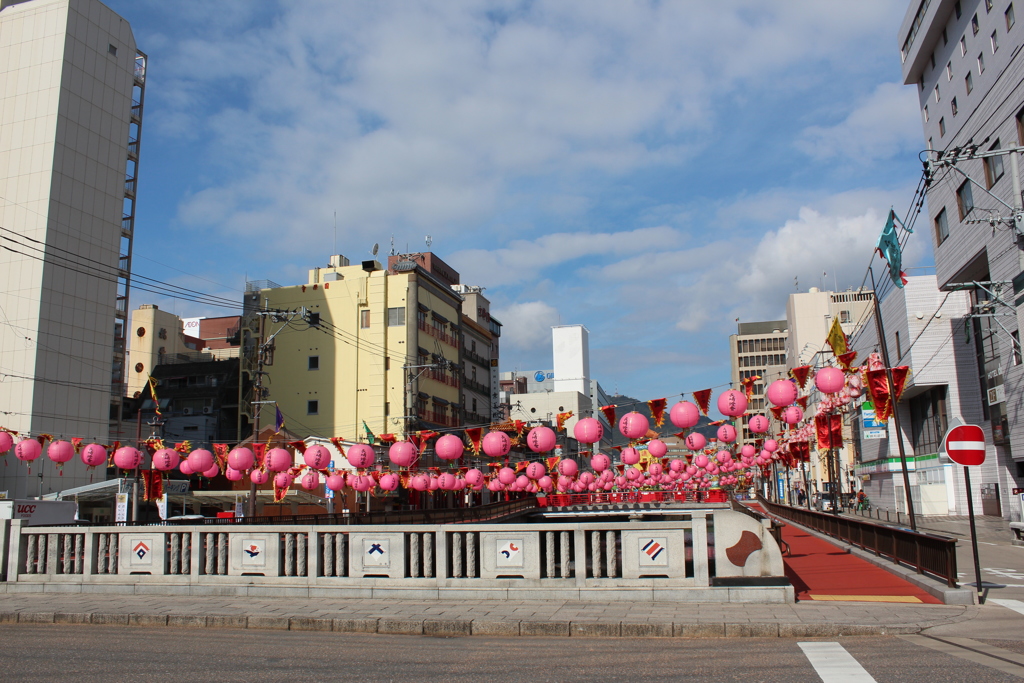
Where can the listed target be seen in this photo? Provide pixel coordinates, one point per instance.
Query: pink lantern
(545, 482)
(633, 474)
(185, 468)
(166, 459)
(127, 458)
(732, 403)
(701, 461)
(600, 462)
(28, 450)
(278, 460)
(420, 482)
(676, 465)
(568, 468)
(474, 477)
(684, 415)
(317, 457)
(633, 425)
(726, 433)
(771, 445)
(588, 430)
(60, 451)
(748, 451)
(93, 455)
(723, 457)
(541, 439)
(361, 456)
(630, 456)
(829, 380)
(792, 414)
(495, 486)
(587, 477)
(200, 460)
(497, 444)
(536, 470)
(657, 448)
(758, 424)
(523, 482)
(283, 480)
(402, 453)
(335, 482)
(388, 482)
(695, 441)
(654, 468)
(781, 392)
(310, 480)
(6, 442)
(362, 483)
(446, 482)
(241, 459)
(233, 475)
(506, 476)
(212, 472)
(449, 447)
(258, 477)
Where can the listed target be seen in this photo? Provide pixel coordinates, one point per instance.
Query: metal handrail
(926, 553)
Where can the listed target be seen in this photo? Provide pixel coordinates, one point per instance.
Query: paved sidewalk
(485, 617)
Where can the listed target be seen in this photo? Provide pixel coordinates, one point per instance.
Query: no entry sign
(965, 445)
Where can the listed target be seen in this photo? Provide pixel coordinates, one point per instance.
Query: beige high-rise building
(71, 94)
(758, 349)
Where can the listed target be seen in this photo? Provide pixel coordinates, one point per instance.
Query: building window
(937, 97)
(941, 227)
(975, 26)
(387, 362)
(845, 317)
(899, 348)
(942, 126)
(995, 42)
(928, 420)
(1020, 127)
(949, 71)
(926, 113)
(396, 316)
(963, 46)
(993, 167)
(959, 10)
(964, 199)
(952, 106)
(1018, 358)
(314, 363)
(988, 6)
(364, 318)
(969, 82)
(1010, 19)
(312, 407)
(981, 63)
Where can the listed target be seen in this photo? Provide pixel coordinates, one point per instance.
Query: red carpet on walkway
(820, 570)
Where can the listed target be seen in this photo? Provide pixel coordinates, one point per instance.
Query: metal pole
(884, 348)
(974, 534)
(257, 407)
(833, 465)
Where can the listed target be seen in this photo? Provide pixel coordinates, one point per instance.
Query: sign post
(965, 445)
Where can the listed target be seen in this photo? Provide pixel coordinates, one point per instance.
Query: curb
(447, 628)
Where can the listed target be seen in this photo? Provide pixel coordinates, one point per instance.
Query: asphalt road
(102, 654)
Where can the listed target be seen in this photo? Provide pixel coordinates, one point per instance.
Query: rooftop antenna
(430, 240)
(796, 283)
(392, 245)
(376, 248)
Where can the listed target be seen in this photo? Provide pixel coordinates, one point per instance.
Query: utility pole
(257, 406)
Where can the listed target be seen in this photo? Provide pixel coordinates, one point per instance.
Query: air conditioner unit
(207, 410)
(186, 411)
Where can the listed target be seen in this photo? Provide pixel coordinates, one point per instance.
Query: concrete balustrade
(687, 558)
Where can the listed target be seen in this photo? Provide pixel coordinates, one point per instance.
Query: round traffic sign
(965, 445)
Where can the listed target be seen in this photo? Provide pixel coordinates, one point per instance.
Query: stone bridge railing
(702, 555)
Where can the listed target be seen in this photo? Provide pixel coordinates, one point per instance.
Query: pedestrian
(862, 500)
(801, 497)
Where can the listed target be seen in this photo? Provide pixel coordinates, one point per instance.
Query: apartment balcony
(136, 111)
(440, 418)
(476, 358)
(438, 334)
(133, 149)
(479, 388)
(129, 187)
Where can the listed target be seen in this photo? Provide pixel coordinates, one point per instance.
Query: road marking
(973, 651)
(834, 664)
(1015, 605)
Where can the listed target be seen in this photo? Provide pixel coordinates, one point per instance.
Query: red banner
(609, 412)
(823, 425)
(475, 436)
(703, 399)
(657, 406)
(801, 374)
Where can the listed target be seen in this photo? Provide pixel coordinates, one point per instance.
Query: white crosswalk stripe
(1015, 605)
(834, 664)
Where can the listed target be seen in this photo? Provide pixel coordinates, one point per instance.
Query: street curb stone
(147, 620)
(506, 627)
(447, 627)
(309, 624)
(751, 630)
(544, 628)
(406, 627)
(699, 630)
(221, 621)
(276, 623)
(590, 629)
(186, 621)
(35, 617)
(109, 619)
(72, 618)
(646, 630)
(355, 625)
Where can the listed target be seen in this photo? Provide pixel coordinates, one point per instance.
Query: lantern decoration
(474, 477)
(633, 425)
(758, 424)
(402, 453)
(241, 459)
(600, 462)
(361, 456)
(657, 448)
(446, 482)
(732, 403)
(829, 380)
(568, 468)
(316, 457)
(282, 480)
(684, 415)
(6, 442)
(695, 441)
(781, 392)
(448, 447)
(127, 458)
(536, 470)
(541, 439)
(60, 451)
(388, 482)
(771, 445)
(506, 476)
(497, 444)
(212, 472)
(588, 430)
(200, 460)
(310, 480)
(362, 483)
(792, 414)
(420, 482)
(28, 450)
(335, 482)
(630, 456)
(233, 475)
(258, 477)
(166, 459)
(185, 468)
(748, 451)
(278, 460)
(93, 455)
(726, 433)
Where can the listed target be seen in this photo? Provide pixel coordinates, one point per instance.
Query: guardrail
(926, 553)
(566, 499)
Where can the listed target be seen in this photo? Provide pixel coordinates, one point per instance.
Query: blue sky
(652, 170)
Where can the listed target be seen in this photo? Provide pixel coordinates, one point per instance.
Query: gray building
(964, 59)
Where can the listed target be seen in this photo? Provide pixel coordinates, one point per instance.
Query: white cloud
(527, 325)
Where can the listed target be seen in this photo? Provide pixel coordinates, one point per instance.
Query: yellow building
(362, 343)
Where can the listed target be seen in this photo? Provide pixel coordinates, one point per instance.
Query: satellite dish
(376, 247)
